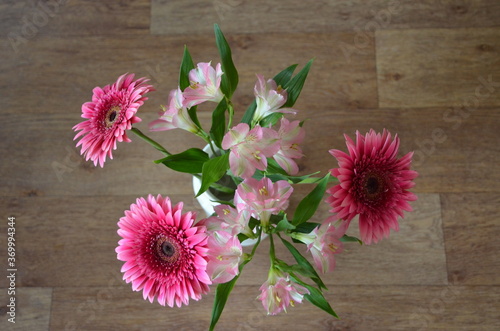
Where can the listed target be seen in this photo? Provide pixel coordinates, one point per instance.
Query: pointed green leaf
(229, 80)
(317, 298)
(307, 207)
(219, 123)
(306, 227)
(294, 86)
(248, 115)
(190, 161)
(212, 171)
(304, 263)
(284, 76)
(221, 295)
(271, 120)
(186, 66)
(347, 239)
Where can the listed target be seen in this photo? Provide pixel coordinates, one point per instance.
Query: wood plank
(238, 16)
(24, 21)
(359, 307)
(438, 68)
(471, 229)
(32, 310)
(81, 249)
(331, 83)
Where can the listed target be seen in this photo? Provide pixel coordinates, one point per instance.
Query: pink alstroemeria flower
(224, 254)
(279, 292)
(205, 85)
(250, 148)
(324, 242)
(269, 98)
(229, 219)
(291, 135)
(263, 198)
(175, 116)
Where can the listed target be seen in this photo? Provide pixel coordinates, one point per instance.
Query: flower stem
(150, 141)
(272, 254)
(231, 114)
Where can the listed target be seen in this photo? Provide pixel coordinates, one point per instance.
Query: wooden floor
(427, 70)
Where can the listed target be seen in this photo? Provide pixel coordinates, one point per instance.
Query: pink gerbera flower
(110, 113)
(373, 184)
(165, 254)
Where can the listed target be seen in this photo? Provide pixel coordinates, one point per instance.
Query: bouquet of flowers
(250, 170)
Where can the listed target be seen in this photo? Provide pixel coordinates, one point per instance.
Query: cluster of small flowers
(171, 256)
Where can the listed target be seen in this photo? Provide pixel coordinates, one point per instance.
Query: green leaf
(284, 225)
(307, 207)
(186, 66)
(270, 120)
(284, 76)
(294, 86)
(229, 80)
(190, 161)
(292, 269)
(248, 115)
(306, 227)
(347, 239)
(317, 298)
(212, 171)
(219, 123)
(221, 295)
(304, 263)
(194, 116)
(274, 168)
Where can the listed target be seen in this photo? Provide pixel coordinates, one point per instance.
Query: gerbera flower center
(111, 116)
(167, 249)
(374, 186)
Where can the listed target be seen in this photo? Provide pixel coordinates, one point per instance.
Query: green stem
(150, 141)
(272, 254)
(259, 234)
(231, 114)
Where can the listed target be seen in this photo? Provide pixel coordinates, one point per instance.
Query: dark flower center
(167, 249)
(374, 188)
(372, 185)
(112, 116)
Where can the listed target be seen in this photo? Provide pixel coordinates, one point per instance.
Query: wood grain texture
(359, 307)
(32, 311)
(470, 224)
(261, 16)
(29, 20)
(439, 68)
(158, 57)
